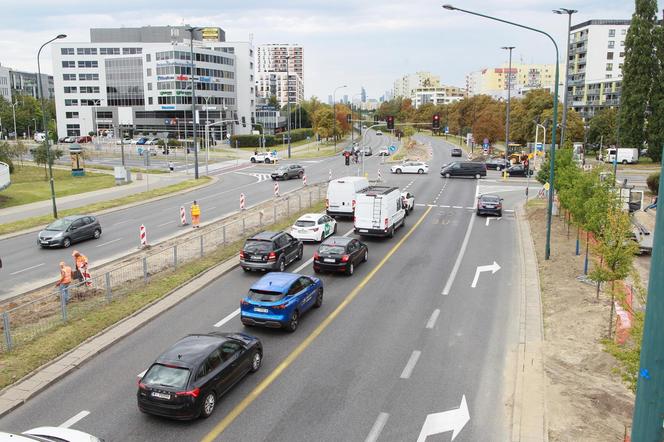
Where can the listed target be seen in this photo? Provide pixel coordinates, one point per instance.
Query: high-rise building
(330, 100)
(345, 99)
(363, 94)
(140, 79)
(5, 88)
(270, 84)
(404, 86)
(521, 79)
(597, 54)
(437, 95)
(273, 62)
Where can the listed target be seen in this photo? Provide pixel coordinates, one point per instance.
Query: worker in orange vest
(195, 215)
(81, 264)
(65, 280)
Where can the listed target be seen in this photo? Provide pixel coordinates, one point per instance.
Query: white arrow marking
(69, 422)
(493, 268)
(451, 420)
(489, 219)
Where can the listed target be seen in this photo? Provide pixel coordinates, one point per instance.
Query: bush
(252, 140)
(653, 183)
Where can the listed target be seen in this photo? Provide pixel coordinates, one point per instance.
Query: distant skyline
(344, 42)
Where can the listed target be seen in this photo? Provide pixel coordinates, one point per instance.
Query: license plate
(260, 310)
(329, 260)
(161, 395)
(364, 230)
(44, 242)
(256, 258)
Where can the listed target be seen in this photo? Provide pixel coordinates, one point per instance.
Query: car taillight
(327, 203)
(354, 204)
(345, 258)
(316, 255)
(244, 303)
(141, 385)
(241, 254)
(193, 393)
(280, 306)
(272, 256)
(500, 206)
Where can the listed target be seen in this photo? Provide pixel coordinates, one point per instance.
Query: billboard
(210, 34)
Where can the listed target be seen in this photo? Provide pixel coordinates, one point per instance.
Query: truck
(379, 211)
(623, 155)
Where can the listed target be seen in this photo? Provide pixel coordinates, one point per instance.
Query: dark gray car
(68, 230)
(287, 171)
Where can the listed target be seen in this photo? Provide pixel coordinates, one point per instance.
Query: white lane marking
(123, 222)
(227, 318)
(431, 205)
(381, 420)
(109, 242)
(165, 224)
(211, 208)
(493, 268)
(69, 422)
(310, 260)
(457, 207)
(489, 219)
(25, 270)
(410, 365)
(446, 207)
(470, 208)
(462, 251)
(434, 317)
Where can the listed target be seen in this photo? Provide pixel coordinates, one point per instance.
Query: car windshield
(490, 199)
(265, 295)
(257, 246)
(282, 169)
(167, 376)
(59, 225)
(331, 249)
(305, 223)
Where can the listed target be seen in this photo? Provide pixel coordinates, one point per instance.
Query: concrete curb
(529, 400)
(18, 393)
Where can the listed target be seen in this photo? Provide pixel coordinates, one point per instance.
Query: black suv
(270, 251)
(287, 172)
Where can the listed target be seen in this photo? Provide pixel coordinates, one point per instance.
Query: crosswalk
(259, 176)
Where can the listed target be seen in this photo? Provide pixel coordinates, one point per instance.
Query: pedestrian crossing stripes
(259, 176)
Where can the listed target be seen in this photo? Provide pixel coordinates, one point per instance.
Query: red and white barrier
(143, 236)
(304, 180)
(330, 176)
(242, 201)
(276, 189)
(380, 175)
(183, 216)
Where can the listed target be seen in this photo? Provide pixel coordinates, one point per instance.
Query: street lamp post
(14, 115)
(507, 113)
(193, 96)
(288, 102)
(41, 99)
(552, 159)
(569, 12)
(334, 114)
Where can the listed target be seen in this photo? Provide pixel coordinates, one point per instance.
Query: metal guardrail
(24, 323)
(5, 179)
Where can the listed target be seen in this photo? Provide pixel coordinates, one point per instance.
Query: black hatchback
(188, 379)
(270, 251)
(340, 254)
(68, 230)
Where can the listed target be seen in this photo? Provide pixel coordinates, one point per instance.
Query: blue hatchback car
(278, 300)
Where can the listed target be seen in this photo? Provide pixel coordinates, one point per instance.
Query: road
(27, 266)
(406, 337)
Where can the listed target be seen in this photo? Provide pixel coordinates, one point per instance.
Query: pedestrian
(65, 280)
(81, 265)
(195, 215)
(171, 166)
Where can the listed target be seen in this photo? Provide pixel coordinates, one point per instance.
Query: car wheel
(300, 175)
(420, 171)
(498, 169)
(207, 406)
(447, 175)
(500, 214)
(300, 253)
(366, 256)
(66, 242)
(350, 269)
(97, 234)
(319, 298)
(293, 322)
(391, 235)
(253, 160)
(624, 161)
(267, 161)
(477, 176)
(282, 264)
(398, 171)
(256, 361)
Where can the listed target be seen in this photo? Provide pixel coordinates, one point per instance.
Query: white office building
(5, 85)
(405, 85)
(139, 80)
(437, 95)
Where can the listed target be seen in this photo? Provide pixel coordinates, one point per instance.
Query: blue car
(278, 300)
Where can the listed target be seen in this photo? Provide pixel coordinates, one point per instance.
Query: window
(149, 100)
(211, 363)
(109, 51)
(306, 282)
(86, 51)
(612, 44)
(620, 66)
(88, 102)
(149, 86)
(609, 55)
(622, 55)
(623, 31)
(147, 57)
(70, 89)
(68, 64)
(88, 64)
(88, 77)
(89, 89)
(69, 77)
(609, 76)
(622, 43)
(71, 114)
(229, 349)
(70, 102)
(131, 51)
(66, 51)
(149, 72)
(295, 288)
(612, 32)
(609, 66)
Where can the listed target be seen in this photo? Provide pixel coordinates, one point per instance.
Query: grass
(34, 221)
(30, 185)
(65, 337)
(131, 169)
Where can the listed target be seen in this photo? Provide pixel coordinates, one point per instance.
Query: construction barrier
(276, 189)
(183, 216)
(242, 201)
(380, 176)
(329, 178)
(143, 236)
(623, 324)
(304, 180)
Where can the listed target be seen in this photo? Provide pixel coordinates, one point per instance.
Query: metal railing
(26, 322)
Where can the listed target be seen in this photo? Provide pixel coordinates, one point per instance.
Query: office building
(139, 80)
(25, 83)
(522, 78)
(363, 95)
(5, 85)
(405, 85)
(273, 62)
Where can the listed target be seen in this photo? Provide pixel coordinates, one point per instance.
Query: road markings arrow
(451, 420)
(489, 219)
(493, 268)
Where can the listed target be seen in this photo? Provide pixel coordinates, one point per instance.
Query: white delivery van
(379, 211)
(625, 155)
(341, 195)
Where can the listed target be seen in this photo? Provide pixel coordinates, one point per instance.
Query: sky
(346, 42)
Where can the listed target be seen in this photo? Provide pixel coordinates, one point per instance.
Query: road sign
(485, 147)
(447, 130)
(540, 146)
(485, 141)
(392, 148)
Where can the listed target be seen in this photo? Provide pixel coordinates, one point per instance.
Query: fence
(26, 322)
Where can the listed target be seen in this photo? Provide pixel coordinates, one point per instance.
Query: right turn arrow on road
(493, 268)
(452, 420)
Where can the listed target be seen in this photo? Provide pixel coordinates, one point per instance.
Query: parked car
(463, 169)
(384, 152)
(342, 195)
(495, 164)
(489, 205)
(65, 231)
(408, 202)
(187, 380)
(287, 171)
(125, 140)
(141, 141)
(519, 170)
(62, 139)
(456, 152)
(152, 141)
(314, 227)
(378, 132)
(411, 167)
(49, 434)
(270, 251)
(70, 139)
(39, 137)
(264, 157)
(340, 254)
(84, 139)
(278, 299)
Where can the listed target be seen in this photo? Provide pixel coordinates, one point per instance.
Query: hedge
(270, 140)
(653, 183)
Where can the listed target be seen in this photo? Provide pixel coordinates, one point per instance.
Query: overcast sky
(350, 42)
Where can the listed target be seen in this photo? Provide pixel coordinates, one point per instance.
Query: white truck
(624, 155)
(342, 195)
(379, 211)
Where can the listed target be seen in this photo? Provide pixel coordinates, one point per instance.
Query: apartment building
(405, 85)
(274, 63)
(522, 78)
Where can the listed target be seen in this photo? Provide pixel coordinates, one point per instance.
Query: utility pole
(288, 101)
(193, 97)
(569, 12)
(507, 114)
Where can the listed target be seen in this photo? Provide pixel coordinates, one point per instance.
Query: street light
(288, 101)
(334, 114)
(41, 99)
(552, 160)
(193, 95)
(507, 114)
(569, 13)
(14, 115)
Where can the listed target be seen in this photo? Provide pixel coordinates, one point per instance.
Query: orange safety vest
(65, 275)
(195, 210)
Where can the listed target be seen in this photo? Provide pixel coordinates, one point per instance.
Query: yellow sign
(210, 34)
(530, 155)
(547, 186)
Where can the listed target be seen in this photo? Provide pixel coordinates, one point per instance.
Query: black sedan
(456, 152)
(490, 205)
(340, 254)
(286, 172)
(495, 164)
(68, 230)
(188, 379)
(519, 170)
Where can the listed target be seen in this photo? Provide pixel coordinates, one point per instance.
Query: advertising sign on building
(210, 34)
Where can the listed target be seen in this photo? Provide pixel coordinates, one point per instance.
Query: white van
(342, 193)
(39, 137)
(379, 211)
(625, 155)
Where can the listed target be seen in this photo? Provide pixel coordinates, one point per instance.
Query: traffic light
(244, 122)
(390, 122)
(349, 117)
(436, 121)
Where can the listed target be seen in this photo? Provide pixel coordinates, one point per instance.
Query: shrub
(653, 182)
(252, 140)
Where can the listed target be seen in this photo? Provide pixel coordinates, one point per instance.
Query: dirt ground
(414, 151)
(586, 400)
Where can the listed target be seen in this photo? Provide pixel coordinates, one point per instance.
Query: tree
(40, 156)
(272, 101)
(323, 123)
(638, 71)
(656, 118)
(603, 127)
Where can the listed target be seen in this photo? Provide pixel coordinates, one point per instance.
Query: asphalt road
(27, 266)
(405, 337)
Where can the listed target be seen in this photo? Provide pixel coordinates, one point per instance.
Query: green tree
(323, 122)
(656, 118)
(603, 127)
(272, 101)
(638, 71)
(40, 156)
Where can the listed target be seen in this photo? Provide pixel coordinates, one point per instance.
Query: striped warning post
(183, 216)
(276, 189)
(242, 201)
(143, 236)
(330, 176)
(380, 175)
(304, 180)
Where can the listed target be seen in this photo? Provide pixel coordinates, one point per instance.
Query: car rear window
(490, 199)
(265, 295)
(304, 223)
(258, 246)
(332, 249)
(167, 376)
